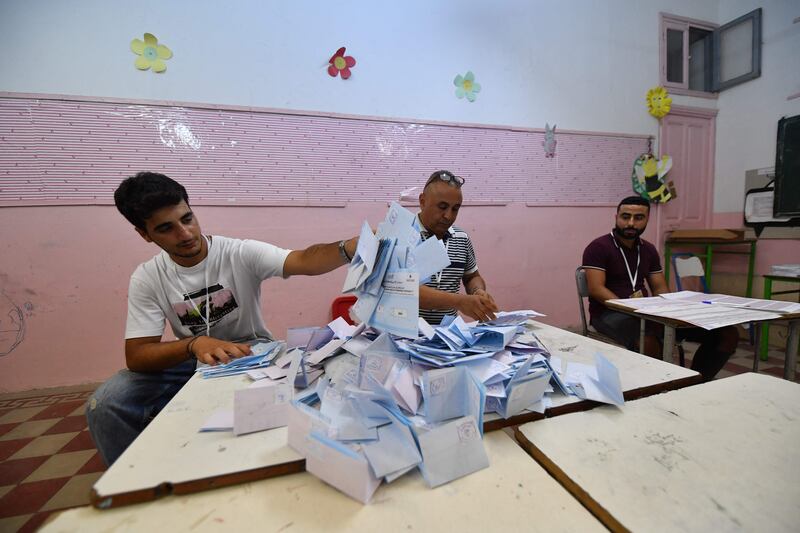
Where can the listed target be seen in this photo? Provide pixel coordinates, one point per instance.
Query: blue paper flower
(466, 86)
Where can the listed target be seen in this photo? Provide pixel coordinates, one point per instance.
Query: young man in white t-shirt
(207, 287)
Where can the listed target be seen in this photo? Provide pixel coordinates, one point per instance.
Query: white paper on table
(451, 451)
(599, 383)
(220, 420)
(342, 467)
(259, 408)
(317, 356)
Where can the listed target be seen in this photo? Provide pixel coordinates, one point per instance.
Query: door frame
(696, 112)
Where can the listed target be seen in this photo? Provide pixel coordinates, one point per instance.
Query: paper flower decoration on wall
(648, 178)
(340, 64)
(658, 102)
(466, 86)
(151, 54)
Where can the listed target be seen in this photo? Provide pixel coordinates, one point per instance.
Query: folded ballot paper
(599, 383)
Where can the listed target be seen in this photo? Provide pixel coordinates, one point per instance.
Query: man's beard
(628, 233)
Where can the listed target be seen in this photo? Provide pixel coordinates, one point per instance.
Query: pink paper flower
(340, 64)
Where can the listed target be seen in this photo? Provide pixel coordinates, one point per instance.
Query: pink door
(688, 136)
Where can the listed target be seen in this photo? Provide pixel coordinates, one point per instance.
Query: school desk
(768, 294)
(670, 325)
(513, 494)
(171, 457)
(721, 456)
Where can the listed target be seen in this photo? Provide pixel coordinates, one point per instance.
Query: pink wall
(67, 268)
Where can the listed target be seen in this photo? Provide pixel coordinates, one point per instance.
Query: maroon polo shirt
(603, 253)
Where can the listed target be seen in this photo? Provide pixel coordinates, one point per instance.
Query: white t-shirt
(229, 279)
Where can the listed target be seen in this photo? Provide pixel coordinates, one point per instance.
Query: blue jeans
(122, 407)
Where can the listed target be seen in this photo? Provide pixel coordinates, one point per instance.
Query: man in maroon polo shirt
(617, 265)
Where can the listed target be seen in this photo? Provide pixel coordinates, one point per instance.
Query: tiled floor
(48, 461)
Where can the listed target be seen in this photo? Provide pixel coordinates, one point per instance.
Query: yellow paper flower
(151, 54)
(658, 102)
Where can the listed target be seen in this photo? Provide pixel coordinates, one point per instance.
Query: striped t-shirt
(462, 262)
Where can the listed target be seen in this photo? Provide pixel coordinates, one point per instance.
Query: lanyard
(632, 277)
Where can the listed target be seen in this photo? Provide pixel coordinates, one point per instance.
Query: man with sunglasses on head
(439, 204)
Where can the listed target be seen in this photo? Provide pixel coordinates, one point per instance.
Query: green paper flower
(466, 86)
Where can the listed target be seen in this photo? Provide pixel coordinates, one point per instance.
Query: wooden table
(640, 375)
(513, 494)
(721, 456)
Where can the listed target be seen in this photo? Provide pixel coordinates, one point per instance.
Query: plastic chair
(341, 308)
(688, 265)
(583, 292)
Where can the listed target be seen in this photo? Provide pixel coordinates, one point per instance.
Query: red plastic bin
(341, 307)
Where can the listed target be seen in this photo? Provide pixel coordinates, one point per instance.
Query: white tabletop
(513, 494)
(721, 456)
(170, 450)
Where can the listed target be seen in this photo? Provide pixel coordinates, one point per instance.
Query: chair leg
(681, 355)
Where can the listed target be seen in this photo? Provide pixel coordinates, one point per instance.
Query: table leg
(667, 261)
(790, 363)
(669, 343)
(750, 267)
(764, 344)
(641, 335)
(757, 332)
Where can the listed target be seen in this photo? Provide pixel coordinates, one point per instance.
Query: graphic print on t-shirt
(192, 310)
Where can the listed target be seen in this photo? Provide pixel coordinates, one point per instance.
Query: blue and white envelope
(395, 450)
(525, 388)
(451, 451)
(428, 258)
(341, 466)
(363, 261)
(398, 308)
(261, 407)
(303, 420)
(599, 383)
(451, 393)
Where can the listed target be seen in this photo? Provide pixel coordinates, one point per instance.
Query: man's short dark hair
(634, 200)
(139, 196)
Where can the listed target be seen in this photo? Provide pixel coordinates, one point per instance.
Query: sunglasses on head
(447, 177)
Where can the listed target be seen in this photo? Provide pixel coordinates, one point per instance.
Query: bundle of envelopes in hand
(387, 270)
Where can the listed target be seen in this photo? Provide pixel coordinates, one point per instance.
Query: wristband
(343, 252)
(189, 346)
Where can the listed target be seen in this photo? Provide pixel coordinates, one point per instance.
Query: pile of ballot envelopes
(366, 404)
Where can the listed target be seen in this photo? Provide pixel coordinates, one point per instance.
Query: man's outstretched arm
(318, 258)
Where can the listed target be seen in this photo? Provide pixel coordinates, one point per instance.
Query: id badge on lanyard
(633, 277)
